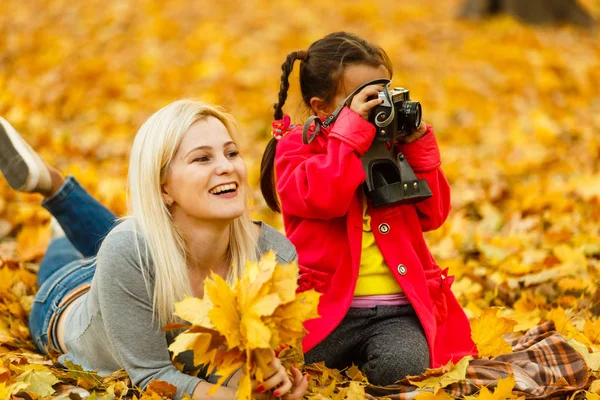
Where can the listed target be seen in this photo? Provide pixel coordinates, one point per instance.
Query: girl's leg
(395, 346)
(85, 221)
(339, 349)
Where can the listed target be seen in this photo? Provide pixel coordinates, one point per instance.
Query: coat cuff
(423, 154)
(354, 130)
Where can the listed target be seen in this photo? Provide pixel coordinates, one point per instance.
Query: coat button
(402, 269)
(384, 228)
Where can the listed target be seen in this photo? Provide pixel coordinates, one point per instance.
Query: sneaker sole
(14, 160)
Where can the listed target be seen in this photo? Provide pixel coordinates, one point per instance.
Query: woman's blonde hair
(153, 150)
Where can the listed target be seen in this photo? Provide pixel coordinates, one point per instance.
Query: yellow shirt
(374, 276)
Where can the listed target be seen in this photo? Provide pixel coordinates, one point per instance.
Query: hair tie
(302, 55)
(282, 127)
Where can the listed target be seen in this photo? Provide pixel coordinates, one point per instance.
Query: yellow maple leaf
(503, 390)
(565, 327)
(241, 324)
(224, 315)
(32, 241)
(5, 391)
(162, 388)
(201, 343)
(592, 330)
(285, 280)
(440, 395)
(595, 387)
(487, 331)
(354, 391)
(37, 379)
(450, 373)
(355, 374)
(591, 356)
(194, 310)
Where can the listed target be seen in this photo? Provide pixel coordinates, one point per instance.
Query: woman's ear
(166, 196)
(320, 107)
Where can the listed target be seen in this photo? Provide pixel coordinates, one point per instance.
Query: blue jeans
(67, 265)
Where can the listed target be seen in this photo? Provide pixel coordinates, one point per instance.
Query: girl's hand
(416, 134)
(280, 383)
(360, 102)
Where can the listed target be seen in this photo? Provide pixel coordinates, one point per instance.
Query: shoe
(22, 167)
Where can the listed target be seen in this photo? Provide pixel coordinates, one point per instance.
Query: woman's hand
(280, 383)
(362, 105)
(416, 134)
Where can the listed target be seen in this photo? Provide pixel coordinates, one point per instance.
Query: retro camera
(390, 179)
(396, 116)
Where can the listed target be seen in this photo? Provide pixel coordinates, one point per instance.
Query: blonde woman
(104, 296)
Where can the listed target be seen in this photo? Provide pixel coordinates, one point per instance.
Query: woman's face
(206, 180)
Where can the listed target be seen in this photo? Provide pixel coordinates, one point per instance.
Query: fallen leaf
(487, 332)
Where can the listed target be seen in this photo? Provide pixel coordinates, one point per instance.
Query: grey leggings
(386, 342)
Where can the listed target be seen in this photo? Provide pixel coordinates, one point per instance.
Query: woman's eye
(233, 154)
(201, 159)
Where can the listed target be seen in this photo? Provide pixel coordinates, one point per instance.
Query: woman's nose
(224, 166)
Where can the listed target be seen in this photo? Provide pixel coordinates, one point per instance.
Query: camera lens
(412, 113)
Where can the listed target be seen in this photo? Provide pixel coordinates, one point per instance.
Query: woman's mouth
(226, 190)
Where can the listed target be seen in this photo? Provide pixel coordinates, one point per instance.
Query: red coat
(320, 188)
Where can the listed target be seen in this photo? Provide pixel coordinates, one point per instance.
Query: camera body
(397, 116)
(390, 179)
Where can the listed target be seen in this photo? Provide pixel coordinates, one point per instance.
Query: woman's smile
(225, 190)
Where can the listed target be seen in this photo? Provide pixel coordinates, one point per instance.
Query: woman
(188, 217)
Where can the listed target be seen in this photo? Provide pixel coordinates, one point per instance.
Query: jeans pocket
(64, 280)
(46, 290)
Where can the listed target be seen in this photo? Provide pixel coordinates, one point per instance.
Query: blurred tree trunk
(530, 11)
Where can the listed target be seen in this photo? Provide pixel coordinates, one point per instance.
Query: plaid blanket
(543, 364)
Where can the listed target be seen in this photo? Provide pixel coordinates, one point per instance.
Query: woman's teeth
(223, 188)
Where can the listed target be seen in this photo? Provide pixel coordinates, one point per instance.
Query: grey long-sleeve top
(112, 326)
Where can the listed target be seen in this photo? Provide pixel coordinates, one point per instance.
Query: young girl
(103, 297)
(386, 305)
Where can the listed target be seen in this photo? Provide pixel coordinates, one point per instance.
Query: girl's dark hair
(321, 70)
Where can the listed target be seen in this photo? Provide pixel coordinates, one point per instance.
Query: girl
(188, 192)
(386, 305)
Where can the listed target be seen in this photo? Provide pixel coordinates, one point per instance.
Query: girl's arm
(423, 155)
(316, 184)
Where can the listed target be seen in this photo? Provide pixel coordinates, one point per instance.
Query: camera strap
(331, 119)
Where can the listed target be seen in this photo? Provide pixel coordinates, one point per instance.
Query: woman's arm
(316, 184)
(139, 343)
(222, 393)
(125, 303)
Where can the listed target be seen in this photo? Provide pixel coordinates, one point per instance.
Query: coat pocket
(439, 283)
(312, 279)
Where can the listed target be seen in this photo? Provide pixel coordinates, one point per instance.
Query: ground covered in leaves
(516, 110)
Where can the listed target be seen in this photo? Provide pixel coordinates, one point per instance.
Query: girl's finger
(372, 90)
(372, 104)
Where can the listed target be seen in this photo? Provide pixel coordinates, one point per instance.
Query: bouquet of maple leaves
(239, 325)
